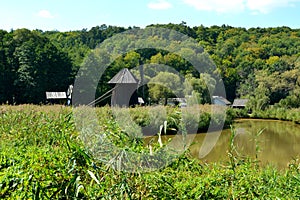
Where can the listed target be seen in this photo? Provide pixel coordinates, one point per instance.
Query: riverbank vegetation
(277, 113)
(43, 157)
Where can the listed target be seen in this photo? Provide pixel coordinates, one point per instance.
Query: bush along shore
(199, 116)
(277, 113)
(43, 157)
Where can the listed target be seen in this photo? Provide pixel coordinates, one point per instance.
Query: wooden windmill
(125, 91)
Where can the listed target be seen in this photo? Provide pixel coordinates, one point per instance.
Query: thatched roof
(240, 102)
(124, 76)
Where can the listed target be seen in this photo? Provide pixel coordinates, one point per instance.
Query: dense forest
(257, 63)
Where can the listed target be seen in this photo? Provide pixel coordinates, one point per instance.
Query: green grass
(272, 112)
(279, 113)
(42, 157)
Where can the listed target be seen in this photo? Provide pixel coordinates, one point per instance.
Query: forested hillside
(257, 63)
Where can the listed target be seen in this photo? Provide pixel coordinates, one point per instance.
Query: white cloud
(266, 6)
(159, 5)
(45, 14)
(229, 6)
(220, 6)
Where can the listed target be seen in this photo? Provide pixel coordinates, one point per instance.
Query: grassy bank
(42, 157)
(284, 114)
(201, 115)
(279, 113)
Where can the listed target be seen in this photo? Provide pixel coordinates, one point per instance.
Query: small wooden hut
(125, 91)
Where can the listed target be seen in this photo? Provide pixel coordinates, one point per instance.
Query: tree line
(257, 63)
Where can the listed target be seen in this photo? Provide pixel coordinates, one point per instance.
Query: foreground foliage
(42, 157)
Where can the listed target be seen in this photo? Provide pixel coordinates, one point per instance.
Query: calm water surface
(279, 143)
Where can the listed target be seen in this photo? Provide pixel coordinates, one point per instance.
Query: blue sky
(64, 15)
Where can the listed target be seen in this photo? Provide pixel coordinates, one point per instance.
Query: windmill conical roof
(124, 76)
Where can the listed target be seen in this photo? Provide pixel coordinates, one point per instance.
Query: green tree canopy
(164, 86)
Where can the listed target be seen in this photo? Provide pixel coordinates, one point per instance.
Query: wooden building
(125, 91)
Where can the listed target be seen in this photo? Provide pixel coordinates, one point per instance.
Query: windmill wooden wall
(125, 91)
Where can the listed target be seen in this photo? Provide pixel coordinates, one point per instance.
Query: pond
(278, 144)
